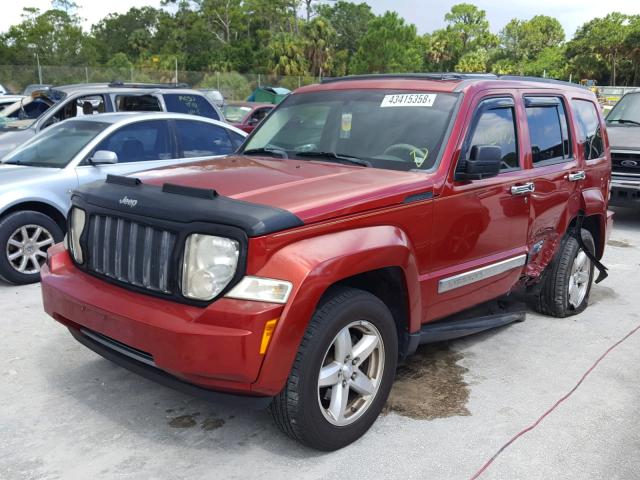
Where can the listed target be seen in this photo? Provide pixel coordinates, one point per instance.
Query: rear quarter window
(589, 132)
(190, 104)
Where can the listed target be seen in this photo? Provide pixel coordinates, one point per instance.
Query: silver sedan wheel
(351, 373)
(579, 279)
(27, 248)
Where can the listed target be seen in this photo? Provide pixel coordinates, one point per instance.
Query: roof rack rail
(413, 76)
(121, 84)
(522, 78)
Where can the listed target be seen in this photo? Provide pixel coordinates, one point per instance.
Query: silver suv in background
(36, 179)
(44, 108)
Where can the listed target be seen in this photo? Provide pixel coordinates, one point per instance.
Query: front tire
(25, 238)
(343, 372)
(566, 282)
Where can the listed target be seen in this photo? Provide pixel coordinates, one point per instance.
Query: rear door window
(200, 139)
(589, 132)
(548, 130)
(190, 104)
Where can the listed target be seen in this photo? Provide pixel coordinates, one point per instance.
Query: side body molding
(313, 265)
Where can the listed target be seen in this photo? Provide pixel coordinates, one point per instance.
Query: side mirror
(104, 157)
(484, 162)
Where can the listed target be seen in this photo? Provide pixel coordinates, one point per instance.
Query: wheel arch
(358, 258)
(39, 206)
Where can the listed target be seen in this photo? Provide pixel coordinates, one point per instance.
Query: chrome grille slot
(130, 252)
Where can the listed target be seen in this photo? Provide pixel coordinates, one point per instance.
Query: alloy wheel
(27, 248)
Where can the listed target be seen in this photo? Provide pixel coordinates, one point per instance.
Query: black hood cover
(184, 205)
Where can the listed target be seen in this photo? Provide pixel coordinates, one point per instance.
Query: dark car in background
(25, 118)
(623, 125)
(246, 115)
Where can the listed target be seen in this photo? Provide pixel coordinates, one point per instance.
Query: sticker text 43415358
(409, 100)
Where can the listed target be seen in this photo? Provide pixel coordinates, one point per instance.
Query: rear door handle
(576, 176)
(523, 189)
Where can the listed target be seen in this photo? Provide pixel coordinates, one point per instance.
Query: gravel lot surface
(67, 413)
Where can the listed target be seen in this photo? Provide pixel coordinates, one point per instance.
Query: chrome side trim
(119, 347)
(479, 274)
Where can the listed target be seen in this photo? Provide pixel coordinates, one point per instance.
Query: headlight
(261, 290)
(209, 265)
(77, 221)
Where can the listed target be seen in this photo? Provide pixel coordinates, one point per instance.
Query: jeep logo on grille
(129, 202)
(629, 163)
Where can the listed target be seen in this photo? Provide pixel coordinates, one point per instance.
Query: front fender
(313, 265)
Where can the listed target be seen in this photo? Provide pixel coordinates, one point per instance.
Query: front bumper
(624, 191)
(216, 347)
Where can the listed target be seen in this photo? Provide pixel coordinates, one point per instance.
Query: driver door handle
(523, 189)
(576, 176)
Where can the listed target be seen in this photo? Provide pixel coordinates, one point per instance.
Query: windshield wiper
(271, 151)
(336, 156)
(624, 120)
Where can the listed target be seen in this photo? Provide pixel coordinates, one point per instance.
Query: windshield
(394, 130)
(24, 113)
(57, 145)
(235, 113)
(626, 111)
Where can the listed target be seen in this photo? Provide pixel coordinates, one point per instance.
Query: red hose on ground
(555, 405)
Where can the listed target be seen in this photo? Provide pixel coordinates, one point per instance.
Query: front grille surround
(168, 239)
(130, 252)
(619, 156)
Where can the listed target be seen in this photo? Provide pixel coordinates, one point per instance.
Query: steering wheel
(401, 149)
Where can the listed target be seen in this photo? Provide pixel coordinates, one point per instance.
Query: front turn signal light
(269, 327)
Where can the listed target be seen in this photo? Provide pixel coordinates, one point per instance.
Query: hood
(624, 137)
(312, 190)
(16, 176)
(10, 139)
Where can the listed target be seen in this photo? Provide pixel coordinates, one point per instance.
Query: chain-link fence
(233, 85)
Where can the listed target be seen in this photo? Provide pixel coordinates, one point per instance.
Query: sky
(427, 15)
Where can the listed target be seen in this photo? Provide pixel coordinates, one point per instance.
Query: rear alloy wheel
(566, 282)
(25, 238)
(343, 372)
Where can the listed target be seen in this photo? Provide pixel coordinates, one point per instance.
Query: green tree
(390, 45)
(286, 55)
(473, 62)
(471, 26)
(350, 22)
(55, 36)
(320, 41)
(132, 33)
(604, 40)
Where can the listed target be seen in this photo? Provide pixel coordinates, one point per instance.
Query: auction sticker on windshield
(409, 100)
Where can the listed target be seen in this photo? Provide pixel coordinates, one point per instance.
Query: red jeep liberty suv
(350, 227)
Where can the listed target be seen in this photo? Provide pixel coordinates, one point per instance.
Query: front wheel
(566, 282)
(25, 238)
(342, 373)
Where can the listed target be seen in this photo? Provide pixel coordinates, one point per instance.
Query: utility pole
(39, 69)
(176, 70)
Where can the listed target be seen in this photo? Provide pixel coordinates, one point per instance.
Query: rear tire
(350, 347)
(566, 282)
(25, 238)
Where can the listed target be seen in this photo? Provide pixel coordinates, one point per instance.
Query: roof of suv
(123, 88)
(441, 82)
